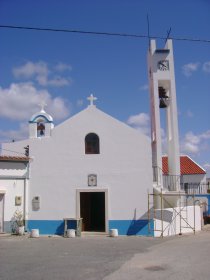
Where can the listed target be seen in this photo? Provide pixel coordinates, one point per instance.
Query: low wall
(177, 220)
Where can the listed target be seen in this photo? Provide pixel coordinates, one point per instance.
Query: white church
(92, 169)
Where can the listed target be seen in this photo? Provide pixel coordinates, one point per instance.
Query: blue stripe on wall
(132, 227)
(125, 227)
(50, 226)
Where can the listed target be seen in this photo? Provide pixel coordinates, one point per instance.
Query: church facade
(96, 169)
(91, 166)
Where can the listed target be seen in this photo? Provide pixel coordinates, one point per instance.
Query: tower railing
(195, 188)
(174, 182)
(171, 182)
(167, 181)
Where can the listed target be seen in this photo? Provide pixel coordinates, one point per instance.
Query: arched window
(92, 144)
(40, 129)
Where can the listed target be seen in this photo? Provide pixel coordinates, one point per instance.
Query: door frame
(105, 191)
(2, 193)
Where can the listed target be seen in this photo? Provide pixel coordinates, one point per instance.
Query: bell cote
(40, 124)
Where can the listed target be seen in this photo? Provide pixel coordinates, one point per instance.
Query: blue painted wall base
(125, 227)
(132, 227)
(50, 226)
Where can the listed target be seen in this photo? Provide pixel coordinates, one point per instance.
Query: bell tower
(163, 97)
(41, 124)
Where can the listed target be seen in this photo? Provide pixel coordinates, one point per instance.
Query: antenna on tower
(168, 34)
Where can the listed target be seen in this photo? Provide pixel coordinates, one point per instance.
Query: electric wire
(149, 36)
(11, 151)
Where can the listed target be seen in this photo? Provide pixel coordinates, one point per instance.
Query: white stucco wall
(178, 220)
(195, 183)
(12, 189)
(12, 168)
(60, 166)
(194, 178)
(13, 183)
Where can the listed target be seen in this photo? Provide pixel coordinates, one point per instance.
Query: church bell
(163, 103)
(163, 98)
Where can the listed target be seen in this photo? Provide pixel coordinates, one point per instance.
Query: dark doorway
(92, 211)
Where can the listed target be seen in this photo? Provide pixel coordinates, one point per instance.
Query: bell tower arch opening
(41, 124)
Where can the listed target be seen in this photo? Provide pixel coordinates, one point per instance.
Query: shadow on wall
(60, 228)
(50, 227)
(139, 225)
(12, 165)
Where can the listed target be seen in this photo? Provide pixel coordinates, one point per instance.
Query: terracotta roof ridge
(18, 158)
(187, 165)
(196, 163)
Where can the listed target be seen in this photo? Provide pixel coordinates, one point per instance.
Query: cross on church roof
(42, 104)
(92, 98)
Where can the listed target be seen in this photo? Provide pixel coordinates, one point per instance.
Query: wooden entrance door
(92, 211)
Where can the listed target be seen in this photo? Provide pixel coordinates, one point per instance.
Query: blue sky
(65, 68)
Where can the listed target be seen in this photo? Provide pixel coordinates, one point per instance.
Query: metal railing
(169, 182)
(195, 188)
(174, 182)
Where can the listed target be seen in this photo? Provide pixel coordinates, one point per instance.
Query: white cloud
(194, 144)
(141, 119)
(9, 135)
(31, 69)
(207, 166)
(140, 122)
(20, 102)
(191, 148)
(206, 135)
(60, 67)
(191, 143)
(57, 81)
(40, 72)
(206, 67)
(194, 139)
(189, 68)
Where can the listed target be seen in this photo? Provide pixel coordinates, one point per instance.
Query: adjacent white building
(13, 186)
(192, 175)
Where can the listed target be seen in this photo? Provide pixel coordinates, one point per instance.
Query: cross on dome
(92, 98)
(42, 104)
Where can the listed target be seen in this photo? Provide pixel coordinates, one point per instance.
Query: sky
(63, 69)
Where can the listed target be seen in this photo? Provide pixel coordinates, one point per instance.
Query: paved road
(67, 258)
(186, 257)
(182, 258)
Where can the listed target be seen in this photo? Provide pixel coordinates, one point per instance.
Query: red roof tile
(14, 158)
(187, 166)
